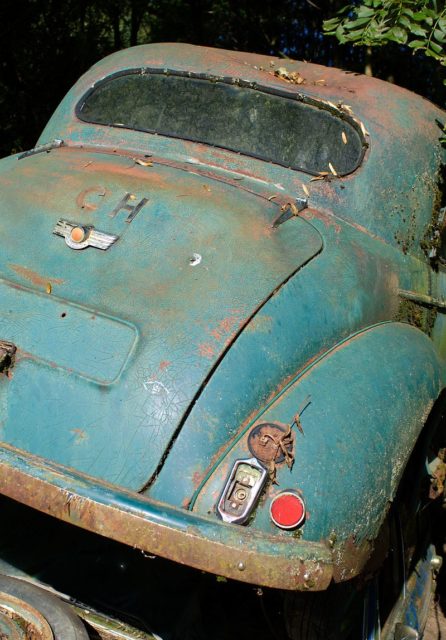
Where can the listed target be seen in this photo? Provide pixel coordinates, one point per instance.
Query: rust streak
(286, 566)
(33, 276)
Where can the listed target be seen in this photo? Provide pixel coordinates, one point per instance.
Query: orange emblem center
(77, 234)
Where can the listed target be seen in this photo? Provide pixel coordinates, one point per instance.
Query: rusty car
(222, 354)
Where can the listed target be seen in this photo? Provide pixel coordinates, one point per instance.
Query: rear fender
(369, 396)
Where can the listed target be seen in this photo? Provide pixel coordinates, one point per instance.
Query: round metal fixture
(264, 439)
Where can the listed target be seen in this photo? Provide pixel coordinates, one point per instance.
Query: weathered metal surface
(285, 335)
(204, 543)
(209, 319)
(347, 438)
(138, 311)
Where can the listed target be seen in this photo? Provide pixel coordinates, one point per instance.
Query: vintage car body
(233, 291)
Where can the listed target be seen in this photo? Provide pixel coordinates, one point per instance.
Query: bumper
(204, 543)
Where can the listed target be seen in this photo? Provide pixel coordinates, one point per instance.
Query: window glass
(254, 122)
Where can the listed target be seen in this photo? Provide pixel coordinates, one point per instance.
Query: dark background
(45, 45)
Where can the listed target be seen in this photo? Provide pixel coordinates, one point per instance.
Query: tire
(64, 624)
(334, 614)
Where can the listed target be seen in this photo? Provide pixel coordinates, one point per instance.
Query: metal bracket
(290, 210)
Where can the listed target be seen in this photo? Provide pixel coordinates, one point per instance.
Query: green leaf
(347, 9)
(405, 22)
(355, 35)
(331, 24)
(421, 16)
(397, 35)
(365, 12)
(432, 54)
(435, 47)
(352, 24)
(417, 44)
(416, 30)
(439, 36)
(408, 12)
(339, 33)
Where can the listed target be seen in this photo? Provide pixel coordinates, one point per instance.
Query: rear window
(290, 130)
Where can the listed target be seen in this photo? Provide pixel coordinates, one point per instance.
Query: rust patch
(134, 520)
(349, 559)
(225, 328)
(327, 219)
(271, 441)
(34, 277)
(272, 444)
(80, 435)
(196, 479)
(206, 350)
(82, 198)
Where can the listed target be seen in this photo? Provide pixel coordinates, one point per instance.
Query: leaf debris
(292, 77)
(143, 163)
(332, 169)
(290, 206)
(363, 129)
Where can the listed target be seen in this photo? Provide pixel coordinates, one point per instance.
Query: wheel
(30, 613)
(335, 614)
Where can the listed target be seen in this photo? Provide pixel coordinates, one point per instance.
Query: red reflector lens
(287, 510)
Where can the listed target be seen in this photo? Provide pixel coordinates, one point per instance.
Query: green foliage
(418, 24)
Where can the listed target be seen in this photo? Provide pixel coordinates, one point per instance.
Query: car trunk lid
(113, 345)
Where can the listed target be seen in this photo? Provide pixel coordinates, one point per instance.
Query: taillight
(287, 510)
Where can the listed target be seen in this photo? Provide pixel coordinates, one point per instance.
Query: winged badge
(79, 236)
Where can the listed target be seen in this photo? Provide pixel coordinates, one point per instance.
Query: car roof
(395, 183)
(373, 98)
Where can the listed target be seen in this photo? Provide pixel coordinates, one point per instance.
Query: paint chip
(143, 163)
(195, 259)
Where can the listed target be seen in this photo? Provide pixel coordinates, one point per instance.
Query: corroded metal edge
(175, 534)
